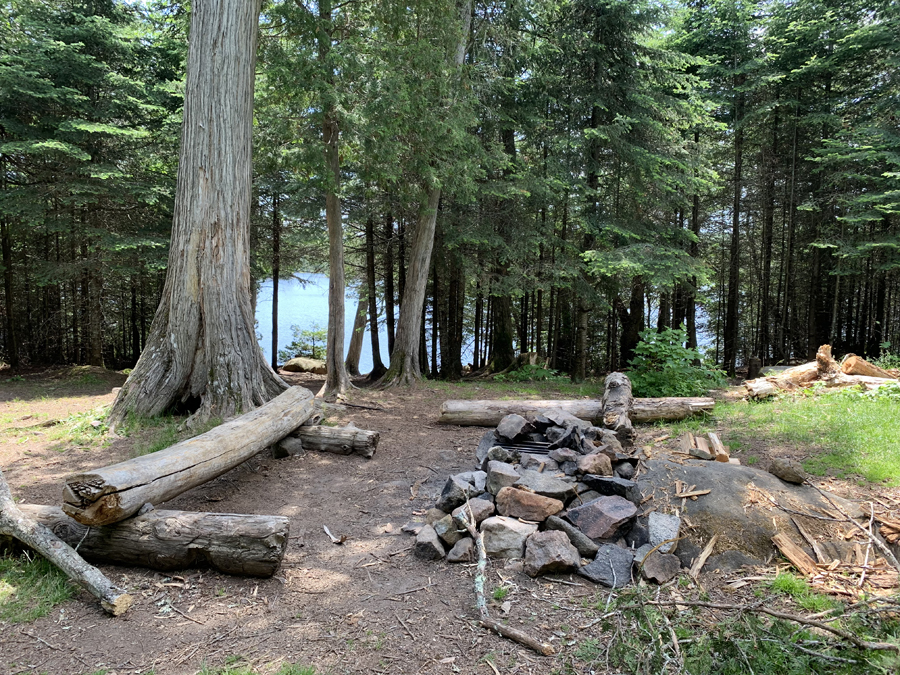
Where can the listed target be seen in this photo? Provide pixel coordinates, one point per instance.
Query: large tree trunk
(170, 540)
(378, 368)
(336, 380)
(388, 280)
(202, 347)
(405, 369)
(15, 523)
(276, 275)
(731, 310)
(356, 340)
(643, 410)
(110, 494)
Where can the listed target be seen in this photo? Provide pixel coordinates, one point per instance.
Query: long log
(643, 410)
(15, 523)
(339, 440)
(113, 493)
(233, 543)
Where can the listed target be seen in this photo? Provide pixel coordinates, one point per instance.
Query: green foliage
(500, 593)
(233, 666)
(309, 342)
(531, 373)
(888, 359)
(663, 366)
(153, 434)
(800, 590)
(30, 586)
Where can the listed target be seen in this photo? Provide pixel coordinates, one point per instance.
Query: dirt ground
(367, 606)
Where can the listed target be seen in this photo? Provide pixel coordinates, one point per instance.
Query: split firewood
(796, 555)
(702, 558)
(813, 544)
(718, 448)
(890, 530)
(15, 523)
(165, 540)
(114, 493)
(854, 365)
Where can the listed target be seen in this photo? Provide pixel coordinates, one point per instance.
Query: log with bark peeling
(233, 543)
(339, 440)
(15, 523)
(643, 410)
(113, 493)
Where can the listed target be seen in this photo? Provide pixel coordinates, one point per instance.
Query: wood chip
(796, 555)
(701, 559)
(692, 495)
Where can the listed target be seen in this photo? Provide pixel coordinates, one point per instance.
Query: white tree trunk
(202, 347)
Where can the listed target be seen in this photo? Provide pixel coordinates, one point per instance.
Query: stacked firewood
(852, 371)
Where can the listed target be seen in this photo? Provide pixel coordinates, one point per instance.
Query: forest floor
(367, 606)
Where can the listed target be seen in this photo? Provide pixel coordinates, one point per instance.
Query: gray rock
(476, 479)
(597, 464)
(548, 552)
(481, 509)
(527, 505)
(434, 515)
(561, 455)
(624, 470)
(513, 426)
(660, 567)
(567, 420)
(535, 462)
(722, 511)
(569, 468)
(687, 552)
(412, 527)
(488, 441)
(661, 527)
(603, 518)
(611, 485)
(499, 476)
(535, 437)
(584, 497)
(641, 552)
(455, 492)
(462, 551)
(584, 544)
(428, 545)
(499, 454)
(701, 454)
(787, 470)
(546, 485)
(611, 567)
(505, 537)
(568, 439)
(554, 433)
(638, 535)
(448, 530)
(486, 496)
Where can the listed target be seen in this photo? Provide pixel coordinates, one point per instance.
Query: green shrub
(888, 359)
(663, 366)
(310, 343)
(529, 373)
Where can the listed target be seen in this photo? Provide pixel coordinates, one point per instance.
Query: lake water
(304, 303)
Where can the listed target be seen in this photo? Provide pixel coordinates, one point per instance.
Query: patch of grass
(233, 669)
(847, 433)
(158, 433)
(800, 590)
(500, 593)
(30, 586)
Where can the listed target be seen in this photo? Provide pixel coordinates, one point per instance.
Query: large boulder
(505, 537)
(548, 552)
(302, 364)
(736, 508)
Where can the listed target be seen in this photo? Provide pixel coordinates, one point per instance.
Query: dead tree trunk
(202, 347)
(356, 340)
(339, 440)
(233, 543)
(15, 523)
(616, 405)
(113, 493)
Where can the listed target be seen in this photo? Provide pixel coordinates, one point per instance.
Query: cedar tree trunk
(202, 346)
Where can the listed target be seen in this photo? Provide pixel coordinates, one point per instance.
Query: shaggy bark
(202, 348)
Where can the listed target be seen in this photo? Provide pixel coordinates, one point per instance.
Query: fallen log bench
(643, 410)
(114, 493)
(337, 440)
(247, 545)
